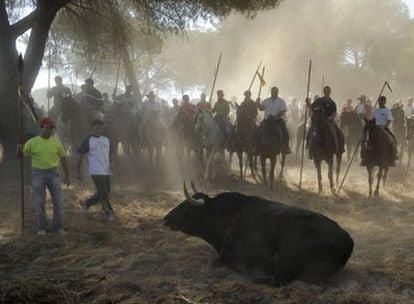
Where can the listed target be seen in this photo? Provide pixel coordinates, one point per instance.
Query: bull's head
(188, 216)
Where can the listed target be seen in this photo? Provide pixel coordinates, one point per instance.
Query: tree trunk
(129, 70)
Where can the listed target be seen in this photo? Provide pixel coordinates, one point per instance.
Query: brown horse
(269, 145)
(322, 147)
(242, 140)
(376, 151)
(410, 138)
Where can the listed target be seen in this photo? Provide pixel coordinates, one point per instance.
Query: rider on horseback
(203, 104)
(188, 108)
(248, 109)
(329, 107)
(59, 93)
(382, 117)
(222, 110)
(275, 107)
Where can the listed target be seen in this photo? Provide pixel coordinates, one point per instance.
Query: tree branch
(21, 26)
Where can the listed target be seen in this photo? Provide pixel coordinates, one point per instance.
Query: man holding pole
(59, 93)
(222, 110)
(276, 107)
(46, 152)
(325, 102)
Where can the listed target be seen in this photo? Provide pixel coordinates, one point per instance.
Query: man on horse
(203, 104)
(59, 93)
(347, 107)
(275, 107)
(188, 108)
(326, 104)
(248, 109)
(382, 117)
(222, 110)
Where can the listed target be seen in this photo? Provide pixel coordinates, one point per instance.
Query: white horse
(212, 137)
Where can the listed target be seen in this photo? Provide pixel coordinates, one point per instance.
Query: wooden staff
(261, 83)
(385, 85)
(254, 76)
(20, 66)
(304, 126)
(215, 78)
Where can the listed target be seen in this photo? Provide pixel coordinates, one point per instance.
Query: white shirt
(381, 116)
(273, 106)
(98, 149)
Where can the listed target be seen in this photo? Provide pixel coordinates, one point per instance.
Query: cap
(46, 122)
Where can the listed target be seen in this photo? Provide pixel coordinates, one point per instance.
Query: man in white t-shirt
(276, 107)
(383, 118)
(100, 156)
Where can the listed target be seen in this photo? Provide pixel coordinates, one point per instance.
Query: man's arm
(260, 105)
(65, 171)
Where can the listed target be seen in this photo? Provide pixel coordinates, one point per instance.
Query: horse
(351, 126)
(410, 138)
(77, 122)
(154, 131)
(242, 139)
(186, 138)
(269, 145)
(376, 152)
(213, 138)
(398, 128)
(322, 147)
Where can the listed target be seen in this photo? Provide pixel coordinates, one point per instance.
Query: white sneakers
(41, 232)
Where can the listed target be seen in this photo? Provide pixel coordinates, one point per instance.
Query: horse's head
(203, 121)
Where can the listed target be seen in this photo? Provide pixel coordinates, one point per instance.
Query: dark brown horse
(242, 140)
(376, 151)
(351, 126)
(269, 145)
(186, 138)
(410, 138)
(322, 147)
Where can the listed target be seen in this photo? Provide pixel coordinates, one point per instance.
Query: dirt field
(137, 260)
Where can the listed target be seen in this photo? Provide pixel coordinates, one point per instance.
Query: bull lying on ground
(273, 242)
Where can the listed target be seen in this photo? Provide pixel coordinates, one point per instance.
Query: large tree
(159, 14)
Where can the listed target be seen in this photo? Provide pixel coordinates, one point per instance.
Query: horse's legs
(240, 156)
(272, 170)
(369, 170)
(330, 174)
(379, 176)
(385, 175)
(338, 167)
(250, 160)
(263, 163)
(209, 159)
(317, 163)
(282, 166)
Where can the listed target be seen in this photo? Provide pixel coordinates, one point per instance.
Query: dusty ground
(137, 260)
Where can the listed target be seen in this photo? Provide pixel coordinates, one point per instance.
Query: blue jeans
(40, 180)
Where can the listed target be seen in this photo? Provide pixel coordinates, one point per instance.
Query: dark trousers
(103, 188)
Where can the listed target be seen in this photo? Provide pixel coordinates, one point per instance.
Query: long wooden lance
(261, 83)
(304, 125)
(255, 74)
(20, 66)
(385, 85)
(215, 78)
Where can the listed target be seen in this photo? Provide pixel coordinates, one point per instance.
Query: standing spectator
(45, 152)
(100, 156)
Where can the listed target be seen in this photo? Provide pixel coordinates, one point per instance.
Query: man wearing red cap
(46, 151)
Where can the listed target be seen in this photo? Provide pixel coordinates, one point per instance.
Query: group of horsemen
(274, 108)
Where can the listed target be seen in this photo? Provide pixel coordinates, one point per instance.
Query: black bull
(272, 242)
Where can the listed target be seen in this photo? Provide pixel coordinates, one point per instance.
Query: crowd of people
(46, 151)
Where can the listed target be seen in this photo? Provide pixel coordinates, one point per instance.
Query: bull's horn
(194, 187)
(196, 202)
